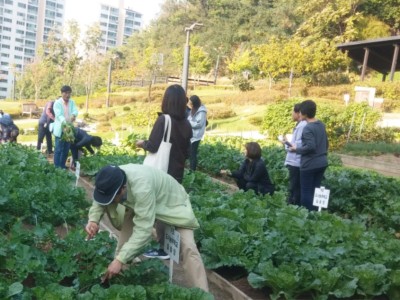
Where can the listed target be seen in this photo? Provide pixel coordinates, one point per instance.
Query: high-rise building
(24, 26)
(117, 24)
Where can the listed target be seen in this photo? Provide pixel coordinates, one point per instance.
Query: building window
(8, 11)
(137, 23)
(50, 4)
(32, 18)
(17, 57)
(5, 55)
(19, 49)
(5, 46)
(20, 31)
(30, 44)
(4, 63)
(21, 23)
(9, 2)
(6, 28)
(104, 16)
(32, 9)
(7, 20)
(59, 15)
(60, 6)
(20, 14)
(22, 5)
(19, 40)
(6, 37)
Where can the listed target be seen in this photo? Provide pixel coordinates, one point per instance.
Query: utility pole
(186, 55)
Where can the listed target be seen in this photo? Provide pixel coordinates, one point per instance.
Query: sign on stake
(321, 198)
(172, 243)
(77, 172)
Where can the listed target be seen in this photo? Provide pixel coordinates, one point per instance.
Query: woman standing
(198, 121)
(174, 105)
(314, 153)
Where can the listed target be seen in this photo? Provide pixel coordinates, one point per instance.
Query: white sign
(321, 197)
(172, 243)
(77, 172)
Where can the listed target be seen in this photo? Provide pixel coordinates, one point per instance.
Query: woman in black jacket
(252, 174)
(174, 104)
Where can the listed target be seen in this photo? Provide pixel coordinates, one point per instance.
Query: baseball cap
(107, 184)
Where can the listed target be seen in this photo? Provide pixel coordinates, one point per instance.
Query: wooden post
(394, 61)
(365, 63)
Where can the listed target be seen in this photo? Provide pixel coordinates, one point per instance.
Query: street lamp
(186, 54)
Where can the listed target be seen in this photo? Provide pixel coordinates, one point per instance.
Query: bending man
(147, 194)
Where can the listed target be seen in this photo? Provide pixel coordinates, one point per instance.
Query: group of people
(152, 198)
(307, 154)
(54, 114)
(306, 159)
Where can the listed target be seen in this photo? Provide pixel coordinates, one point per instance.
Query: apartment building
(24, 26)
(117, 23)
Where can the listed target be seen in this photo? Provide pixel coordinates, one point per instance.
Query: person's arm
(90, 149)
(96, 212)
(239, 173)
(83, 140)
(143, 222)
(199, 121)
(49, 112)
(308, 144)
(156, 136)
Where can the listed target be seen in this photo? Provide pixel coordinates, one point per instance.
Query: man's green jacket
(152, 194)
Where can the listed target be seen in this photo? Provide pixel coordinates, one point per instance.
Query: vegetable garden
(348, 251)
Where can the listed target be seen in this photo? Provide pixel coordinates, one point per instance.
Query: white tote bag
(160, 159)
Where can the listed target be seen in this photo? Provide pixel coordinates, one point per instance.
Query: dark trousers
(61, 153)
(294, 185)
(45, 132)
(309, 180)
(258, 189)
(193, 155)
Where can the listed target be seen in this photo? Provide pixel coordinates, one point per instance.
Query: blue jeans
(309, 180)
(60, 153)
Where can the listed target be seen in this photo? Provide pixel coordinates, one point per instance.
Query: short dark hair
(66, 89)
(296, 107)
(253, 150)
(308, 108)
(174, 102)
(96, 141)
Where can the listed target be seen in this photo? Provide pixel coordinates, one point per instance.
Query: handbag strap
(167, 126)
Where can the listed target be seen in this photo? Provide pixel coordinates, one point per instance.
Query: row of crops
(37, 262)
(349, 250)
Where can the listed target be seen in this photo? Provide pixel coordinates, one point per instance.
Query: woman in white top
(198, 121)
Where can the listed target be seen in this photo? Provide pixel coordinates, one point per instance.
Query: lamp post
(186, 55)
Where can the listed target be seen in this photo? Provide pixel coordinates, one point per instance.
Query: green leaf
(15, 289)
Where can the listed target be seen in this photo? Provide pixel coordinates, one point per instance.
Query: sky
(87, 12)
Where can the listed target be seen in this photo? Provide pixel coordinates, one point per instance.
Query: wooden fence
(162, 79)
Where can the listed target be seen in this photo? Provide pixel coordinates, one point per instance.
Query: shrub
(126, 108)
(243, 84)
(338, 120)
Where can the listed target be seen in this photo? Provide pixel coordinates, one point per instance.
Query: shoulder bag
(160, 159)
